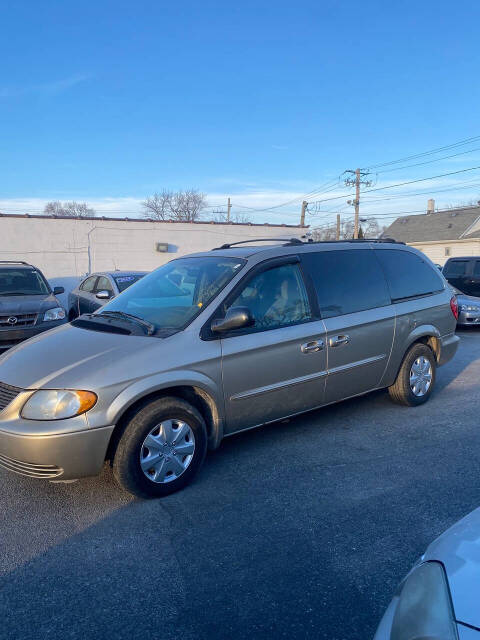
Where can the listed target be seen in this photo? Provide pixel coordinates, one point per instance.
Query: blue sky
(264, 101)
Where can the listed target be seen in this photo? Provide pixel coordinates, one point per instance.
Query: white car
(439, 598)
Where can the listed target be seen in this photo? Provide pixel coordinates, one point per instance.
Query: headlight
(58, 313)
(58, 404)
(424, 609)
(468, 307)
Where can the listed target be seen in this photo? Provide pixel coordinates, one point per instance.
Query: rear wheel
(161, 449)
(416, 378)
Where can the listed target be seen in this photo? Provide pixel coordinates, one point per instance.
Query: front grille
(6, 344)
(29, 469)
(15, 320)
(7, 394)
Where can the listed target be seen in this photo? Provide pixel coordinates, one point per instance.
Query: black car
(464, 274)
(27, 303)
(97, 288)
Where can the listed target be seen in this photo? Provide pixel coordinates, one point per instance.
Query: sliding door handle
(337, 341)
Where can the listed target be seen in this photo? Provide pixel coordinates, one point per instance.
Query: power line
(325, 188)
(418, 164)
(401, 184)
(426, 153)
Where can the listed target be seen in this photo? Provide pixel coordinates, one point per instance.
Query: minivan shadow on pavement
(297, 530)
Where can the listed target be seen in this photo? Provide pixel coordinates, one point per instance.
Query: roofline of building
(206, 222)
(461, 240)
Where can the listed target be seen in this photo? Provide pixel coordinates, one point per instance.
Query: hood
(71, 357)
(459, 551)
(16, 305)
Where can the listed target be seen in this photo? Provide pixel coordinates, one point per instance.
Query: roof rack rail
(360, 240)
(288, 242)
(14, 262)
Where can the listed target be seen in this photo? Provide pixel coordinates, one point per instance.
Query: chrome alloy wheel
(167, 451)
(420, 376)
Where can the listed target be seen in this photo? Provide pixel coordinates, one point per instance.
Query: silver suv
(215, 343)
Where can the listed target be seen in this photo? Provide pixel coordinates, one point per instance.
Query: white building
(440, 234)
(65, 249)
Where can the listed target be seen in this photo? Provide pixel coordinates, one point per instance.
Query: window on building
(447, 251)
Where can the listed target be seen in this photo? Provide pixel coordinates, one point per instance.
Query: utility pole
(302, 214)
(229, 208)
(357, 182)
(338, 227)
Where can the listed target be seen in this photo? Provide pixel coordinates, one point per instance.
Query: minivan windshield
(22, 282)
(173, 295)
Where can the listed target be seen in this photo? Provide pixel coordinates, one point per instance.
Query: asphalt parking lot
(298, 530)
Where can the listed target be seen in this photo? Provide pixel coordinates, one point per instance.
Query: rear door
(358, 315)
(458, 273)
(277, 367)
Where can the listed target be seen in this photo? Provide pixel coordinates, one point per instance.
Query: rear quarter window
(346, 281)
(408, 275)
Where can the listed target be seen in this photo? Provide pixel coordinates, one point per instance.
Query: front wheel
(416, 379)
(161, 449)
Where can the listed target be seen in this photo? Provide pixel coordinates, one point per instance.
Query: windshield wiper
(131, 318)
(19, 293)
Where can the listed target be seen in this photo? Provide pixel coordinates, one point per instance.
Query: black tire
(401, 391)
(72, 315)
(126, 463)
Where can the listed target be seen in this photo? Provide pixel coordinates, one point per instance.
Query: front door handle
(313, 346)
(337, 341)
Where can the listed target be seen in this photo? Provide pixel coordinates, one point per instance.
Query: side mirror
(103, 295)
(235, 318)
(58, 290)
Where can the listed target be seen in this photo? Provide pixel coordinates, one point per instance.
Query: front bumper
(66, 455)
(65, 449)
(11, 337)
(468, 318)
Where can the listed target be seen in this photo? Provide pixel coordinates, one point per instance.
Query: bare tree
(69, 209)
(158, 206)
(186, 206)
(237, 218)
(368, 229)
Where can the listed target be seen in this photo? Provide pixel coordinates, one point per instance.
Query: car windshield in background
(123, 282)
(173, 295)
(22, 282)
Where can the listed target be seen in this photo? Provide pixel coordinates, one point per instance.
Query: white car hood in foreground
(458, 549)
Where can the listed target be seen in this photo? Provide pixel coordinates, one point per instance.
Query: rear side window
(476, 269)
(408, 275)
(347, 281)
(455, 268)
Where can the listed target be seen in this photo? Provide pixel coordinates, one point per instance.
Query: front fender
(161, 381)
